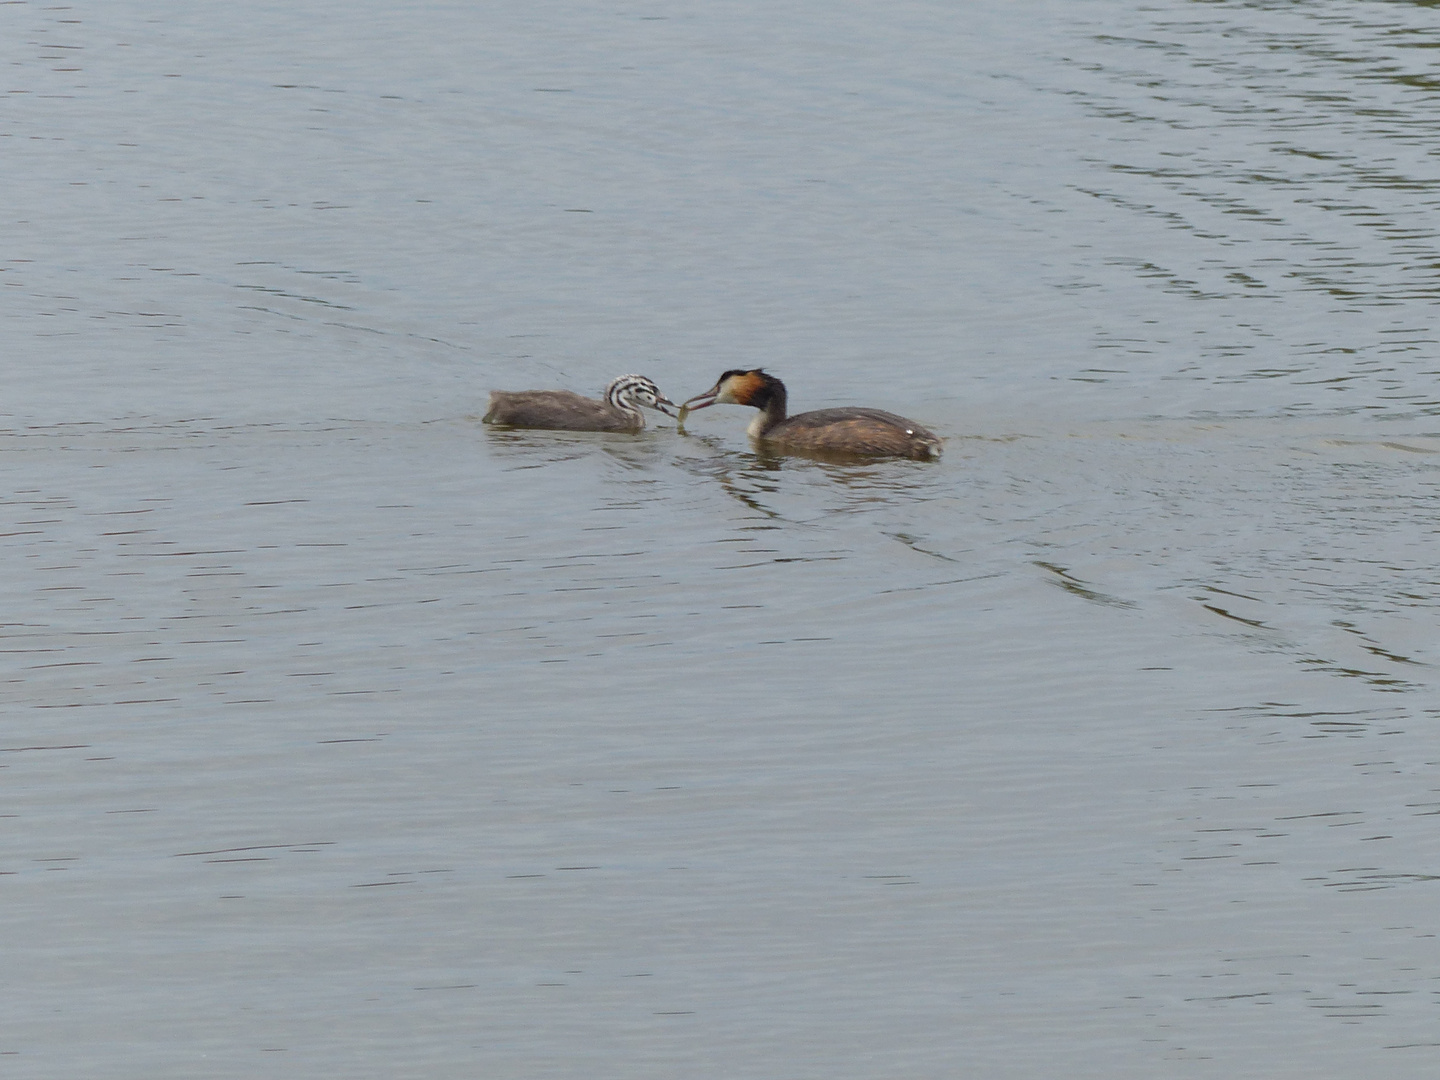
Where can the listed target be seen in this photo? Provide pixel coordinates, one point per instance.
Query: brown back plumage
(859, 431)
(560, 410)
(563, 410)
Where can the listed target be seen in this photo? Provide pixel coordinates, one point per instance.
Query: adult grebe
(563, 410)
(848, 431)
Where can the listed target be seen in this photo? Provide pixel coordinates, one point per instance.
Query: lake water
(345, 736)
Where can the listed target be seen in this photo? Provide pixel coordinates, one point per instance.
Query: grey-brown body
(561, 409)
(854, 430)
(564, 410)
(842, 432)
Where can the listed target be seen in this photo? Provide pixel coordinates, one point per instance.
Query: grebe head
(739, 387)
(629, 391)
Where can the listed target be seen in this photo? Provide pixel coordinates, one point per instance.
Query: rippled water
(343, 734)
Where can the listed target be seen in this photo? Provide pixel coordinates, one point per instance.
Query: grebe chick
(563, 410)
(847, 431)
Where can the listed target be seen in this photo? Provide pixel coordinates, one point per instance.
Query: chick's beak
(661, 402)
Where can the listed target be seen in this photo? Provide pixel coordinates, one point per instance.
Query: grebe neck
(772, 409)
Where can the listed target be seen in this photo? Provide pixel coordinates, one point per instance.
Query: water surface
(343, 734)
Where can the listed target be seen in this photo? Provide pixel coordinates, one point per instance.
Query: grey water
(345, 735)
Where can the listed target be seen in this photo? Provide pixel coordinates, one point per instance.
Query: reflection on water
(532, 449)
(799, 492)
(1076, 587)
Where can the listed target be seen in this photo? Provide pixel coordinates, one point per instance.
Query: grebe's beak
(704, 400)
(661, 402)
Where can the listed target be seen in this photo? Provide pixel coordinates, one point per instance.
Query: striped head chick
(629, 392)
